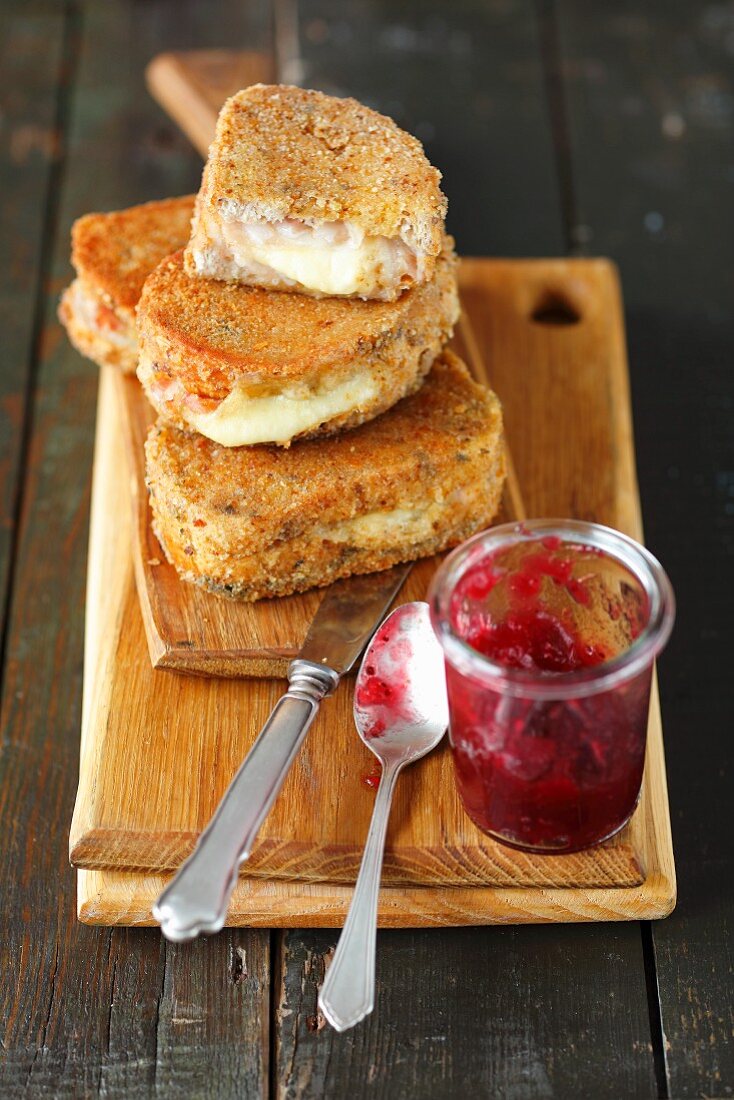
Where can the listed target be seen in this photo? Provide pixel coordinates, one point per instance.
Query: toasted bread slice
(303, 191)
(96, 329)
(259, 521)
(243, 366)
(113, 254)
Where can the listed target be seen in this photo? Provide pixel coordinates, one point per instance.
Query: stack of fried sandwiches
(289, 326)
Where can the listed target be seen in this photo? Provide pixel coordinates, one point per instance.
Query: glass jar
(549, 630)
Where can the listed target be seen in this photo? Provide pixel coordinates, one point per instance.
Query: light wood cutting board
(159, 748)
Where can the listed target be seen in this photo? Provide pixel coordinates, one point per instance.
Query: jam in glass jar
(549, 631)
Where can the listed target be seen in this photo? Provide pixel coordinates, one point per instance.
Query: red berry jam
(371, 779)
(384, 700)
(540, 764)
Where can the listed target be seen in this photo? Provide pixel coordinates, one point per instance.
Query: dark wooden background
(562, 126)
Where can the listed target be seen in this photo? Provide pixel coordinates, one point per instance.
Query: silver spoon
(401, 712)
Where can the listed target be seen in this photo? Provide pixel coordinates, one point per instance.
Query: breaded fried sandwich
(258, 521)
(303, 191)
(244, 365)
(113, 254)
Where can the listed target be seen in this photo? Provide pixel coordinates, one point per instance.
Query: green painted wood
(99, 1012)
(523, 1012)
(31, 49)
(650, 91)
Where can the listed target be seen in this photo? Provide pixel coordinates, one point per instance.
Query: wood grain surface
(83, 1011)
(159, 750)
(119, 898)
(31, 59)
(522, 1055)
(671, 226)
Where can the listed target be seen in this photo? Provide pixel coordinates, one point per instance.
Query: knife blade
(198, 897)
(348, 617)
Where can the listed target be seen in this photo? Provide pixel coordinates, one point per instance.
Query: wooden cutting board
(158, 748)
(553, 335)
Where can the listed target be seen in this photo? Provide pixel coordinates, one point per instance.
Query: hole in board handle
(555, 309)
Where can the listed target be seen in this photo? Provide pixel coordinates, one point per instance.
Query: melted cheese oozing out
(377, 527)
(345, 268)
(242, 419)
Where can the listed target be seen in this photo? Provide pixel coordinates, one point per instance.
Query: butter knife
(196, 900)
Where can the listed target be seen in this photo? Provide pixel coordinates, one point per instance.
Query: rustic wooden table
(562, 126)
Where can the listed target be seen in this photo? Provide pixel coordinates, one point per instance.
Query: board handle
(198, 897)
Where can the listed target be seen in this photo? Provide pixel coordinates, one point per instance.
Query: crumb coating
(113, 344)
(284, 152)
(113, 255)
(116, 252)
(211, 336)
(252, 522)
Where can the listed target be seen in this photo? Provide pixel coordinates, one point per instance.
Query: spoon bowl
(401, 712)
(400, 704)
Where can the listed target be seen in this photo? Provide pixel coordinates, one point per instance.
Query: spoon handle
(348, 992)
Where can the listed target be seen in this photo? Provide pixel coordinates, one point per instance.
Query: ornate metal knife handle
(197, 898)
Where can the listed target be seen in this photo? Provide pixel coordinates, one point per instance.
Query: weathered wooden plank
(31, 50)
(93, 1011)
(512, 1012)
(212, 1027)
(651, 100)
(522, 1012)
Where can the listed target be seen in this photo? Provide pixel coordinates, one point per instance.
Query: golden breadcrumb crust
(114, 253)
(91, 341)
(251, 522)
(283, 152)
(211, 335)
